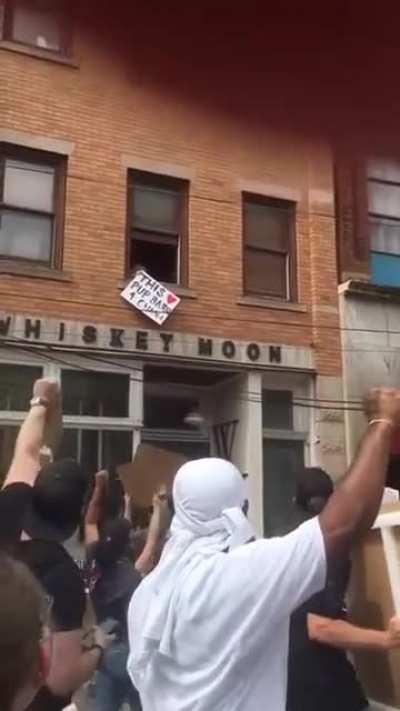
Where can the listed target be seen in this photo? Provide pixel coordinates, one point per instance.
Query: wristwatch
(39, 401)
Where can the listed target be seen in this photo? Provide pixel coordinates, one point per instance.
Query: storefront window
(277, 409)
(161, 412)
(16, 384)
(8, 436)
(95, 394)
(97, 449)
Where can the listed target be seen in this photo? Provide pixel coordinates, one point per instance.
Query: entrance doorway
(283, 459)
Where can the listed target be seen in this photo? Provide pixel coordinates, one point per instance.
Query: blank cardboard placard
(152, 467)
(373, 595)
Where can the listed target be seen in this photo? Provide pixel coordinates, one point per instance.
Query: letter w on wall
(224, 437)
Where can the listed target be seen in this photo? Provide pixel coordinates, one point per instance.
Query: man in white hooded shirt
(208, 628)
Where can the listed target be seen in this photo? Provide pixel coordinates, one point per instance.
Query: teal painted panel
(385, 269)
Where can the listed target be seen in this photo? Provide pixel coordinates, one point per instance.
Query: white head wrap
(208, 497)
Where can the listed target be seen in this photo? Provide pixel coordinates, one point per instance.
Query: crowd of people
(192, 612)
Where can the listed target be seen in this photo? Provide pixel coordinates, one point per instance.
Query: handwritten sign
(150, 297)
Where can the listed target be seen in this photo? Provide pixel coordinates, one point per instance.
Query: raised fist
(49, 390)
(383, 403)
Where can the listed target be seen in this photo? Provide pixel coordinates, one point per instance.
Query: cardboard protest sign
(150, 297)
(152, 467)
(374, 597)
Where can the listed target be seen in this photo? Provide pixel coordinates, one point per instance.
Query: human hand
(101, 478)
(101, 638)
(383, 404)
(48, 389)
(161, 516)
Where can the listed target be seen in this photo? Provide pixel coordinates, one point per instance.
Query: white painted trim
(41, 143)
(392, 562)
(387, 520)
(97, 423)
(171, 170)
(269, 190)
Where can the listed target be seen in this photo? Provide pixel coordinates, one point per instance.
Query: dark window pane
(116, 448)
(8, 435)
(29, 185)
(160, 260)
(96, 394)
(16, 384)
(90, 451)
(69, 445)
(38, 24)
(167, 412)
(25, 236)
(282, 460)
(265, 273)
(267, 226)
(156, 208)
(277, 409)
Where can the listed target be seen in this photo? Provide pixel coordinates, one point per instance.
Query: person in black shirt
(320, 676)
(113, 574)
(42, 508)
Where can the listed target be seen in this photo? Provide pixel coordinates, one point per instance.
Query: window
(157, 223)
(95, 394)
(43, 24)
(16, 385)
(282, 460)
(161, 412)
(97, 449)
(8, 436)
(103, 442)
(30, 209)
(269, 247)
(277, 409)
(384, 221)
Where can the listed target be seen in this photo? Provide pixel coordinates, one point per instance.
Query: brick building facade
(104, 168)
(368, 220)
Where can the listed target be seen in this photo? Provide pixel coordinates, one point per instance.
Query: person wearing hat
(41, 507)
(320, 675)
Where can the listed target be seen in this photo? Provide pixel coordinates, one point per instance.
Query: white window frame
(51, 369)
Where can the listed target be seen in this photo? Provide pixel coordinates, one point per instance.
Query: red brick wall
(107, 108)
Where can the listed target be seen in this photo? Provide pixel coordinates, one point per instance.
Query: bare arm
(95, 508)
(71, 665)
(353, 507)
(25, 464)
(343, 635)
(158, 527)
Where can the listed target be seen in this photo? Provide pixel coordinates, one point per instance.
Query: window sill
(38, 53)
(268, 303)
(33, 271)
(183, 291)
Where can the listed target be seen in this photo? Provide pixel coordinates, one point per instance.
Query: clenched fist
(49, 390)
(383, 403)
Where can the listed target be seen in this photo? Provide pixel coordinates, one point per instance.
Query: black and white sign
(150, 297)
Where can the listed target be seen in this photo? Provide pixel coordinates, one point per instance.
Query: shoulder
(60, 578)
(14, 501)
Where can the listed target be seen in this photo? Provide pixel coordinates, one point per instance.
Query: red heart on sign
(171, 298)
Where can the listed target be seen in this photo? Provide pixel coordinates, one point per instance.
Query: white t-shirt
(251, 592)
